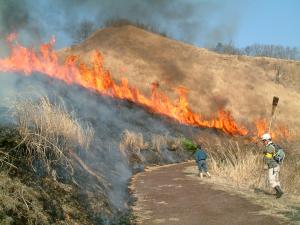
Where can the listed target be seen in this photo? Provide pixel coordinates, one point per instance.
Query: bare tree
(119, 22)
(83, 31)
(274, 51)
(227, 49)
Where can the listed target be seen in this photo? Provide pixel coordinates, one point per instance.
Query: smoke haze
(197, 22)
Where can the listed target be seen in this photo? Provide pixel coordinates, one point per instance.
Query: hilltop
(243, 85)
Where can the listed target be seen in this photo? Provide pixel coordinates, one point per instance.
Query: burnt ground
(168, 196)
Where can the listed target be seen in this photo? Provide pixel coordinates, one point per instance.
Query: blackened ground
(110, 118)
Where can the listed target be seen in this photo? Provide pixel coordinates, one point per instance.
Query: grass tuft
(48, 131)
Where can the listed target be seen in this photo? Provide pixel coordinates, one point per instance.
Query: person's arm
(196, 156)
(270, 149)
(206, 156)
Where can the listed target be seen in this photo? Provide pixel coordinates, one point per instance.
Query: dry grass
(132, 144)
(243, 166)
(133, 141)
(19, 204)
(159, 142)
(176, 64)
(48, 130)
(291, 174)
(239, 165)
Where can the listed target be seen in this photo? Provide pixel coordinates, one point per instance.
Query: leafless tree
(119, 22)
(83, 31)
(274, 51)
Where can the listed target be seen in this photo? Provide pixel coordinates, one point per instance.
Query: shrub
(188, 144)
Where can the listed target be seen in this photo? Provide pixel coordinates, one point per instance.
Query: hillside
(71, 139)
(243, 85)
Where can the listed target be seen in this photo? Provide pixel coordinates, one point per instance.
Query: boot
(208, 174)
(201, 175)
(279, 192)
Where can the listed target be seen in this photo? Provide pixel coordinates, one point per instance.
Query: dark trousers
(202, 166)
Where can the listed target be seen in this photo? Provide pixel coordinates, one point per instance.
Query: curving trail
(168, 196)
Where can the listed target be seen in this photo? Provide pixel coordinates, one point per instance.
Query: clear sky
(199, 22)
(269, 22)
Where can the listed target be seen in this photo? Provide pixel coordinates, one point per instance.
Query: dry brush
(49, 131)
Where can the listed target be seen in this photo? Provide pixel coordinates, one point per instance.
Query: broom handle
(270, 124)
(274, 106)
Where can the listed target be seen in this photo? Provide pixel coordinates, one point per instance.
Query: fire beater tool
(274, 106)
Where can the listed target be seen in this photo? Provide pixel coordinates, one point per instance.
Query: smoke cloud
(198, 22)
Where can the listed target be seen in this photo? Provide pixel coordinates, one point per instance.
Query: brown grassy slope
(241, 84)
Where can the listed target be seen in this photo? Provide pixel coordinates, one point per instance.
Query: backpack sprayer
(274, 106)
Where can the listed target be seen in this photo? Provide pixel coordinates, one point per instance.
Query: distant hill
(244, 85)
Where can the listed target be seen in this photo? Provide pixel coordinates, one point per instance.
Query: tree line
(274, 51)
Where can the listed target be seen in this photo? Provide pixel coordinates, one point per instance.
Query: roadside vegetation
(49, 132)
(156, 150)
(40, 179)
(44, 178)
(243, 165)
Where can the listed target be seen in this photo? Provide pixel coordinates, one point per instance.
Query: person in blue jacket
(200, 157)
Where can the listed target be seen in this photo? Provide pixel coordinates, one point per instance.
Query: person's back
(200, 155)
(200, 158)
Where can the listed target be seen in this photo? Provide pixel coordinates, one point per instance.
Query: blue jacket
(200, 155)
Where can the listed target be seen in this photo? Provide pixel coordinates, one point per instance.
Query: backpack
(279, 154)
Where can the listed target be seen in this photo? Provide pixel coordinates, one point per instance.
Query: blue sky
(270, 22)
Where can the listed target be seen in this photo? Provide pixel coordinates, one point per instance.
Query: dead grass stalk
(243, 165)
(48, 130)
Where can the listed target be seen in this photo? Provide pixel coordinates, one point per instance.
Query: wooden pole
(274, 106)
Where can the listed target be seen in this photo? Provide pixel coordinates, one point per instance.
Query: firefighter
(200, 158)
(272, 163)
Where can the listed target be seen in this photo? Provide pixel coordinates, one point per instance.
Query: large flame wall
(94, 77)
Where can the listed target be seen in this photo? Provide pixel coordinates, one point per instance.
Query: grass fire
(115, 121)
(96, 78)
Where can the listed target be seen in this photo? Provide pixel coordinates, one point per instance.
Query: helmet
(266, 136)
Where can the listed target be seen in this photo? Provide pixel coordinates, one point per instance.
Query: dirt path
(168, 196)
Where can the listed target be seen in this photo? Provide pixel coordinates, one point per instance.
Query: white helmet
(266, 136)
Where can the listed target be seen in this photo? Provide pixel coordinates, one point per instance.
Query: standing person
(273, 161)
(200, 157)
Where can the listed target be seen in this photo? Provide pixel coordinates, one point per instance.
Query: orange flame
(11, 37)
(279, 131)
(26, 61)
